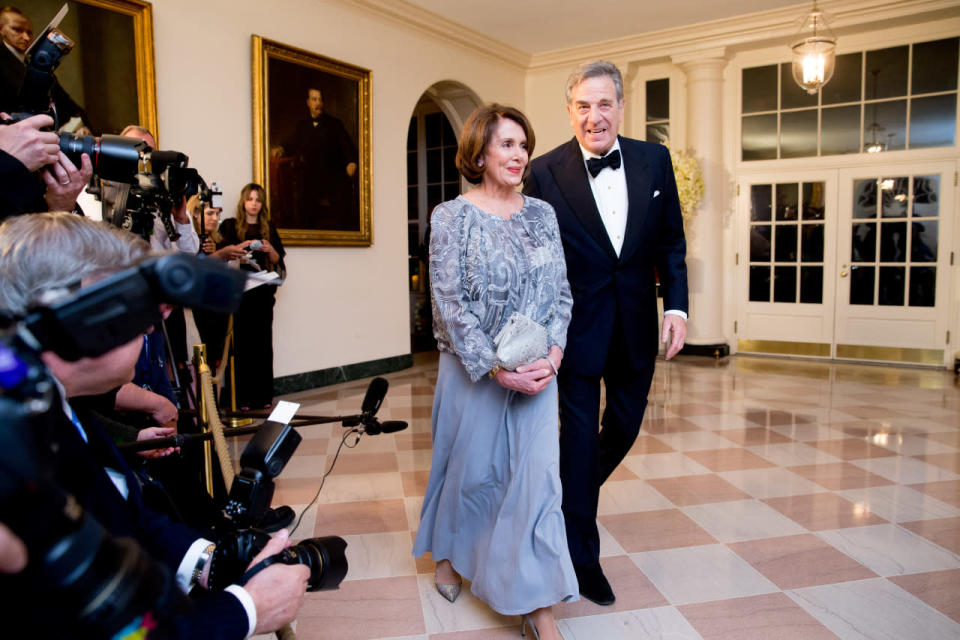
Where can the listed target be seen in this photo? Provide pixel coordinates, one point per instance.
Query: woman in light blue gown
(491, 512)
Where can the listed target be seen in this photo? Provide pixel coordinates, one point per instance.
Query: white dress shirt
(610, 193)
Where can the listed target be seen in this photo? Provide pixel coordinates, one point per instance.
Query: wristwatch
(202, 561)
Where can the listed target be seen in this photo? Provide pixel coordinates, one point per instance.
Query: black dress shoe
(593, 584)
(276, 519)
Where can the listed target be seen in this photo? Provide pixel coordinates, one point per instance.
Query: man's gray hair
(42, 252)
(595, 69)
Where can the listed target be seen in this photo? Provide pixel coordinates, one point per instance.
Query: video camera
(100, 585)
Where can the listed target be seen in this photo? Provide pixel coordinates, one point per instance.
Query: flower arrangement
(689, 181)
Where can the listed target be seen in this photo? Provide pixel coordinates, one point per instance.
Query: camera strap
(283, 558)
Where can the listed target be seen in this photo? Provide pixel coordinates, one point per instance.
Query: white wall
(339, 305)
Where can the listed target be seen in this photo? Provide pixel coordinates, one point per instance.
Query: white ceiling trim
(736, 32)
(419, 19)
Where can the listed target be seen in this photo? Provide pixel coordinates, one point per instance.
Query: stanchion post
(200, 359)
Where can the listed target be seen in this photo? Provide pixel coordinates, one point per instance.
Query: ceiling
(536, 26)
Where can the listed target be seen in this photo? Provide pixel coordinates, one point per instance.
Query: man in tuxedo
(619, 216)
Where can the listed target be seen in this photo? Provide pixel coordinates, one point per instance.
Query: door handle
(843, 271)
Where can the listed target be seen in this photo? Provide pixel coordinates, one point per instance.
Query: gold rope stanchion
(216, 427)
(199, 362)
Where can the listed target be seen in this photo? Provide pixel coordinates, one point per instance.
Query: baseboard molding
(719, 350)
(336, 375)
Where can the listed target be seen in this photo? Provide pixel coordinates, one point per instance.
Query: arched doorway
(432, 178)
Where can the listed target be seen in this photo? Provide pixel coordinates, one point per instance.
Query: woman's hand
(531, 381)
(209, 247)
(233, 251)
(272, 253)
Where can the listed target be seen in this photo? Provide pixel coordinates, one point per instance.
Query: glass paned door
(895, 226)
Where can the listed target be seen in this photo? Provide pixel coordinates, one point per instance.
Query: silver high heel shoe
(527, 620)
(448, 591)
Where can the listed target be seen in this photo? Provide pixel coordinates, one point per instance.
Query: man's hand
(13, 553)
(152, 433)
(180, 213)
(351, 169)
(32, 147)
(276, 152)
(672, 323)
(65, 181)
(278, 590)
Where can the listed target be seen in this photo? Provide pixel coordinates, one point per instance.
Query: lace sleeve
(563, 306)
(456, 322)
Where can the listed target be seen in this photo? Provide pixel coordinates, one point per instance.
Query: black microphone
(374, 427)
(376, 392)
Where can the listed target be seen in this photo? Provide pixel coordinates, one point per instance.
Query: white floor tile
(742, 520)
(770, 483)
(664, 465)
(660, 623)
(889, 550)
(899, 504)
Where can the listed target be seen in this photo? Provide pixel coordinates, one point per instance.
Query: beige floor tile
(753, 436)
(656, 426)
(823, 511)
(363, 610)
(699, 489)
(770, 483)
(379, 555)
(632, 588)
(651, 530)
(851, 449)
(663, 465)
(645, 444)
(939, 589)
(948, 461)
(800, 561)
(729, 459)
(944, 532)
(840, 475)
(946, 491)
(373, 516)
(760, 617)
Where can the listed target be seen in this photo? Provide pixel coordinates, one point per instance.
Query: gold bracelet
(493, 372)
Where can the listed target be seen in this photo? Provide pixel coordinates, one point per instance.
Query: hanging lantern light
(814, 52)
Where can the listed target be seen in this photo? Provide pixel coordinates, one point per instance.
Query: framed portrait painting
(108, 79)
(311, 145)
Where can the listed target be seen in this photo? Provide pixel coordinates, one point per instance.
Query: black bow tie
(596, 165)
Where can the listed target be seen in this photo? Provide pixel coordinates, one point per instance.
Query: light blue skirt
(492, 504)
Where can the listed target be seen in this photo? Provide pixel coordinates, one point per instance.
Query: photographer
(47, 253)
(26, 148)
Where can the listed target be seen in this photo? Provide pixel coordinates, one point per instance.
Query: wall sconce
(814, 52)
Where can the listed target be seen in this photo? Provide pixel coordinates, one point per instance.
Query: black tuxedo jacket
(607, 288)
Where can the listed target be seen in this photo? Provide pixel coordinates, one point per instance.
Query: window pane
(411, 167)
(785, 284)
(658, 99)
(840, 130)
(786, 243)
(412, 135)
(865, 199)
(450, 164)
(844, 86)
(449, 137)
(791, 95)
(658, 132)
(413, 209)
(894, 197)
(886, 122)
(813, 207)
(923, 245)
(893, 242)
(434, 196)
(811, 285)
(451, 190)
(926, 196)
(759, 243)
(759, 89)
(759, 137)
(933, 121)
(434, 160)
(761, 202)
(861, 285)
(811, 243)
(759, 284)
(864, 243)
(935, 66)
(923, 286)
(788, 201)
(891, 290)
(886, 73)
(798, 134)
(433, 127)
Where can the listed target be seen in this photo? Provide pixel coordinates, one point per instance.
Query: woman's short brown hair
(476, 134)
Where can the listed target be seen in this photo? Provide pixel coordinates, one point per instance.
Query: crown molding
(739, 31)
(418, 19)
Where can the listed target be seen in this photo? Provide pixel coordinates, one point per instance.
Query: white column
(704, 71)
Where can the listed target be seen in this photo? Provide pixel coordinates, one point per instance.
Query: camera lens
(113, 157)
(325, 557)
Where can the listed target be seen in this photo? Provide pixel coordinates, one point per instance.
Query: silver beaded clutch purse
(520, 341)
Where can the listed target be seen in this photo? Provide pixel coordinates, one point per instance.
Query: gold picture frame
(302, 153)
(114, 54)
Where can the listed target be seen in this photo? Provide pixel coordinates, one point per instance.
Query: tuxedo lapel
(638, 196)
(570, 175)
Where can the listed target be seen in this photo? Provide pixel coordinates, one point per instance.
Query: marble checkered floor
(764, 500)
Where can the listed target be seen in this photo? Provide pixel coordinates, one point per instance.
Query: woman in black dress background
(253, 321)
